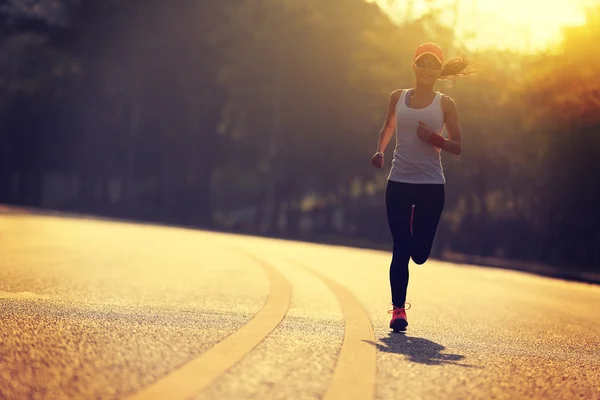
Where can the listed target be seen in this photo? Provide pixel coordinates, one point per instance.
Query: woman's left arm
(453, 144)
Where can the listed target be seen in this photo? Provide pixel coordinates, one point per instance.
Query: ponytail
(454, 68)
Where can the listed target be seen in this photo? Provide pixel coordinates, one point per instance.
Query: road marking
(21, 295)
(354, 374)
(201, 372)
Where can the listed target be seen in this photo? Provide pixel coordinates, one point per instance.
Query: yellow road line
(21, 295)
(201, 372)
(354, 374)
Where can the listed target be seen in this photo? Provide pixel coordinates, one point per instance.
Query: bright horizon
(518, 25)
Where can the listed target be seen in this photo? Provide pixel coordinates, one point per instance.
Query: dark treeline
(261, 116)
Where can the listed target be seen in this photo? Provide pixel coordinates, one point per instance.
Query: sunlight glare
(521, 25)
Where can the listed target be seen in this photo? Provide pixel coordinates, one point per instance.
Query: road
(92, 309)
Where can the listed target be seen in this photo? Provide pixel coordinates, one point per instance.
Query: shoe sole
(399, 325)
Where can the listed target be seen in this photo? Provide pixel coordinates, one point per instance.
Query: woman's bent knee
(420, 258)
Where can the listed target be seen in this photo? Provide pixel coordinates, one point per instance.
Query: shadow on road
(418, 350)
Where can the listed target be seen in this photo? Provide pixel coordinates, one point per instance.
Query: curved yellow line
(201, 372)
(354, 374)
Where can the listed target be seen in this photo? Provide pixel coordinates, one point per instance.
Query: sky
(521, 25)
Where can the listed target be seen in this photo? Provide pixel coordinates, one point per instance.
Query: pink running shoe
(399, 321)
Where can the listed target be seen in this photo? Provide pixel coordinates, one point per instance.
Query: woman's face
(427, 70)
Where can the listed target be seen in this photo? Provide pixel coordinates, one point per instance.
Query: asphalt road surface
(94, 309)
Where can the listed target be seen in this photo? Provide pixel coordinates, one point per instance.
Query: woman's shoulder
(396, 94)
(447, 102)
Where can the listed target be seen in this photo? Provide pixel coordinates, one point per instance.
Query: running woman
(415, 191)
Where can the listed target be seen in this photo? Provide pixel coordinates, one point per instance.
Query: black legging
(428, 201)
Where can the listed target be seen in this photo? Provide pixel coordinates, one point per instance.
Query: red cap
(430, 48)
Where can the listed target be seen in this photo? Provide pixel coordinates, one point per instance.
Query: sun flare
(521, 25)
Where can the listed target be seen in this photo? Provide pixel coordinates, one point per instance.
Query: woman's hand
(423, 131)
(377, 160)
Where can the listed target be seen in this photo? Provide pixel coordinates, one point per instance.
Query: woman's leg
(398, 208)
(429, 204)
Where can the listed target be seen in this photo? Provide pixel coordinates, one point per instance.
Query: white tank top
(416, 161)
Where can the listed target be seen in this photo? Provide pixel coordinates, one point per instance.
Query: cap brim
(433, 54)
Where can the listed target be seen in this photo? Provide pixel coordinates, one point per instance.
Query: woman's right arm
(387, 130)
